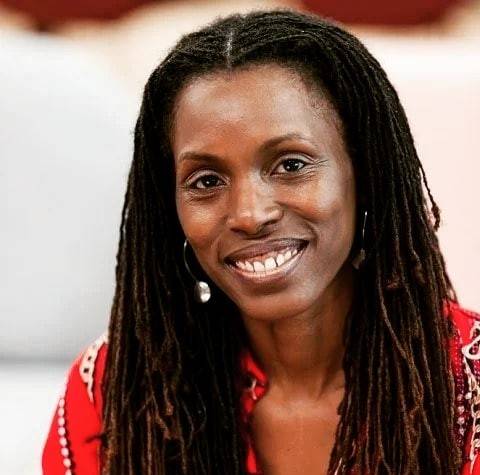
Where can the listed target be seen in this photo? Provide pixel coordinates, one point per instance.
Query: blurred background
(71, 79)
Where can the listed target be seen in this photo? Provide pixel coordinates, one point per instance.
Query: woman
(323, 334)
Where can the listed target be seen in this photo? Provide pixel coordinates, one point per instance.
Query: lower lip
(272, 275)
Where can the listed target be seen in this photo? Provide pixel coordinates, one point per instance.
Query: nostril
(253, 219)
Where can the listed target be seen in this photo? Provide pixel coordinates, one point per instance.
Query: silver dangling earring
(201, 290)
(360, 257)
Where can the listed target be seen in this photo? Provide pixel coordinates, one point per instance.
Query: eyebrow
(270, 143)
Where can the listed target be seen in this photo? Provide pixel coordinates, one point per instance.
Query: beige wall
(438, 82)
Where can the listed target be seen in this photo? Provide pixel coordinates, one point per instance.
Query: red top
(72, 445)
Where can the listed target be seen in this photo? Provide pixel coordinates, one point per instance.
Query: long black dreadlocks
(171, 402)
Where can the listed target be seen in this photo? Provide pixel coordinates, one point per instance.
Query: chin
(276, 307)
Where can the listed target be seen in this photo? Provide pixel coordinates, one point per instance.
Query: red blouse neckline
(257, 383)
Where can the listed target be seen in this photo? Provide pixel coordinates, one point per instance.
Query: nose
(252, 207)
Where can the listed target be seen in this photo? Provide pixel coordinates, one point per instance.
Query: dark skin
(236, 185)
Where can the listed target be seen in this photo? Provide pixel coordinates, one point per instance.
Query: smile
(269, 267)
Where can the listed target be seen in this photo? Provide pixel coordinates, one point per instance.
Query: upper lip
(262, 248)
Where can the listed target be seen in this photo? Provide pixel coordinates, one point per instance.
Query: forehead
(260, 101)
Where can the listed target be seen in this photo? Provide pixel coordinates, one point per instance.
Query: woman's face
(260, 158)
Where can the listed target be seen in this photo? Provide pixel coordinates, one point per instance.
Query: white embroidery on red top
(87, 370)
(62, 432)
(471, 362)
(87, 364)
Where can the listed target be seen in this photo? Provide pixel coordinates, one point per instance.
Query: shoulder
(85, 375)
(90, 366)
(73, 440)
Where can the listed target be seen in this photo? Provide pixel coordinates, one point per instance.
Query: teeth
(258, 266)
(248, 266)
(280, 259)
(241, 264)
(269, 263)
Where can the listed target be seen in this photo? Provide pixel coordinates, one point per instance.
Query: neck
(302, 354)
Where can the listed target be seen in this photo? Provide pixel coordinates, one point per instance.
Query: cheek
(198, 224)
(330, 205)
(328, 199)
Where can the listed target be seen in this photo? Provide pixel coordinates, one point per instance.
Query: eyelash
(194, 188)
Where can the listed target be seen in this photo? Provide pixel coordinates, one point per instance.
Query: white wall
(66, 143)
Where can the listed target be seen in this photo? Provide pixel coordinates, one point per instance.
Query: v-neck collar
(255, 386)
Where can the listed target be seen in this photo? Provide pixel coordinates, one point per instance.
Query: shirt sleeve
(72, 446)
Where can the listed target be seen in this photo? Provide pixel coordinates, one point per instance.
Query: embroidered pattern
(462, 416)
(471, 361)
(251, 388)
(86, 368)
(87, 364)
(62, 433)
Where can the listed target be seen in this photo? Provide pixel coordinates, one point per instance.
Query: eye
(291, 164)
(205, 180)
(211, 181)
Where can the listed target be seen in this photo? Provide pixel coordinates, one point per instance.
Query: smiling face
(259, 157)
